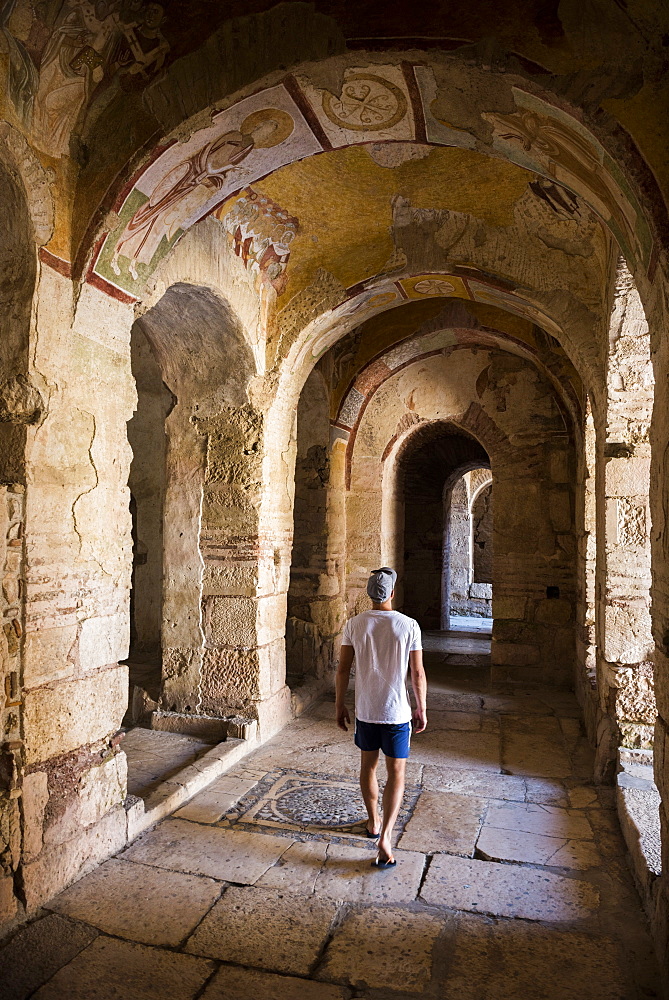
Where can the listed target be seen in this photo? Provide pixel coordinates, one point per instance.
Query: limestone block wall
(625, 695)
(585, 677)
(531, 456)
(147, 483)
(482, 522)
(75, 579)
(12, 528)
(315, 604)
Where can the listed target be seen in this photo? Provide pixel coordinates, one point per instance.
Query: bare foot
(385, 848)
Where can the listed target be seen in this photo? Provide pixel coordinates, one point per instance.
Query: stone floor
(154, 756)
(512, 880)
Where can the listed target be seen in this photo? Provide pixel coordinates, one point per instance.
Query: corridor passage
(512, 880)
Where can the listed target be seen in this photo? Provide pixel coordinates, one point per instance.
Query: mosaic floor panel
(318, 806)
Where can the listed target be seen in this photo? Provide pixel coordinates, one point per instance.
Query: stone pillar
(586, 533)
(246, 559)
(457, 549)
(77, 560)
(534, 553)
(624, 634)
(658, 318)
(316, 608)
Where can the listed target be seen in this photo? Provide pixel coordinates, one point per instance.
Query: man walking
(384, 643)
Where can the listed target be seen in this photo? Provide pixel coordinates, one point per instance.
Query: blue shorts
(391, 737)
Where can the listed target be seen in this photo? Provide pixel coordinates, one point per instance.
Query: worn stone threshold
(638, 806)
(178, 789)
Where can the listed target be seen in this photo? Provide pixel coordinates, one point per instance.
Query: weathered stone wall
(458, 543)
(482, 523)
(626, 704)
(147, 483)
(315, 570)
(77, 576)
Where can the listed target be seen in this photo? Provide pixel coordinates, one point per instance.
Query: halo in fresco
(254, 137)
(279, 126)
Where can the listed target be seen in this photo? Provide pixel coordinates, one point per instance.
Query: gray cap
(381, 584)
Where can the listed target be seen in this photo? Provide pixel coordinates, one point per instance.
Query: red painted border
(295, 91)
(416, 102)
(92, 278)
(55, 263)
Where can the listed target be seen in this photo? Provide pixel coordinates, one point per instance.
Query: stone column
(77, 561)
(457, 548)
(624, 634)
(245, 543)
(586, 533)
(316, 608)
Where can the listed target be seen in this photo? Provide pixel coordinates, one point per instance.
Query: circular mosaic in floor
(321, 805)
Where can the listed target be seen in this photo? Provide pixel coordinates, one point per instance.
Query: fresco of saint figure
(187, 187)
(572, 161)
(91, 40)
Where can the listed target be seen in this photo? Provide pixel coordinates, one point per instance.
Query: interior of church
(294, 291)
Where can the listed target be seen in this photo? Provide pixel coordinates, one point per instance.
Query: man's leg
(369, 787)
(393, 794)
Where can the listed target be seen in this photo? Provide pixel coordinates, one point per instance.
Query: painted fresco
(294, 120)
(328, 328)
(61, 53)
(245, 142)
(374, 105)
(489, 295)
(429, 285)
(260, 233)
(438, 131)
(539, 137)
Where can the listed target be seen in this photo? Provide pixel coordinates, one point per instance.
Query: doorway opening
(147, 481)
(466, 593)
(447, 491)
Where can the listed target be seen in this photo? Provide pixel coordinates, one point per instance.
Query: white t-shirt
(382, 641)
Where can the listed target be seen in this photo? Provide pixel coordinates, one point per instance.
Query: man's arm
(341, 686)
(419, 685)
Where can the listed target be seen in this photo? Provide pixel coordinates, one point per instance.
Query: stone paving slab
(297, 870)
(134, 901)
(38, 951)
(110, 969)
(348, 875)
(462, 721)
(265, 928)
(533, 818)
(383, 948)
(525, 961)
(250, 984)
(443, 821)
(462, 750)
(204, 850)
(536, 849)
(584, 797)
(546, 791)
(535, 757)
(154, 756)
(485, 785)
(220, 796)
(506, 890)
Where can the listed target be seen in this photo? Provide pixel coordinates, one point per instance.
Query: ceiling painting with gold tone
(378, 156)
